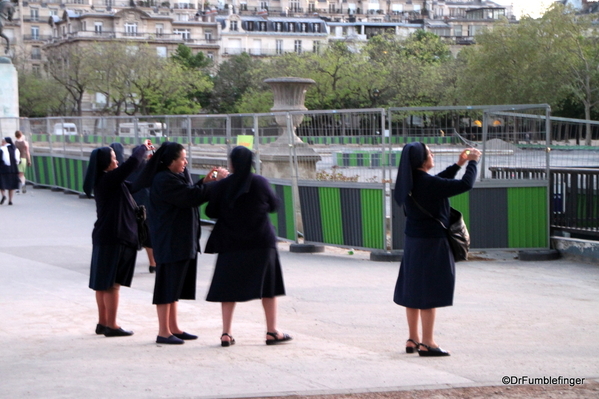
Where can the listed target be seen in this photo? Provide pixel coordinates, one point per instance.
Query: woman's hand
(148, 144)
(216, 174)
(469, 154)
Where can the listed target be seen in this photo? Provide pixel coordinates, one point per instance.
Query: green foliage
(39, 96)
(234, 78)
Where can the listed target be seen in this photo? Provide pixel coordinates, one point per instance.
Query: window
(208, 35)
(316, 27)
(159, 29)
(130, 29)
(53, 12)
(297, 46)
(183, 17)
(185, 34)
(291, 27)
(332, 8)
(35, 14)
(210, 55)
(161, 51)
(36, 53)
(262, 27)
(294, 5)
(233, 26)
(250, 25)
(98, 28)
(457, 31)
(304, 27)
(264, 5)
(279, 47)
(316, 47)
(84, 26)
(312, 6)
(36, 69)
(35, 32)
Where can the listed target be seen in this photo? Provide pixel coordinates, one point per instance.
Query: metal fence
(334, 170)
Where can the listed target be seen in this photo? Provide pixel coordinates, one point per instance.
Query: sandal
(411, 349)
(277, 340)
(430, 351)
(227, 343)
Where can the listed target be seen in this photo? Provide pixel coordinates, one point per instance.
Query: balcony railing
(38, 38)
(160, 37)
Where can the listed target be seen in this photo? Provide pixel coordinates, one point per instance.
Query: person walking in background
(426, 278)
(25, 159)
(248, 264)
(175, 230)
(114, 235)
(9, 169)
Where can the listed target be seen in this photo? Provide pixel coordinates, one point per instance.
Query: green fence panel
(373, 228)
(527, 217)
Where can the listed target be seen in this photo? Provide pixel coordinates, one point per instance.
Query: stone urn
(289, 95)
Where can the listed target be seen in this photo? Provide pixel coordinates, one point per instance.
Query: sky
(534, 8)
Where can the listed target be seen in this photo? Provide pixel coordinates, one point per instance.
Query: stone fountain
(289, 95)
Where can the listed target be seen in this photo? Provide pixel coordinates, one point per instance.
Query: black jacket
(174, 216)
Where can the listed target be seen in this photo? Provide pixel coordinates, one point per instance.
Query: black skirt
(427, 274)
(111, 264)
(175, 281)
(245, 275)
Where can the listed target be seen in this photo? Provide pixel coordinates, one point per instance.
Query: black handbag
(142, 228)
(457, 233)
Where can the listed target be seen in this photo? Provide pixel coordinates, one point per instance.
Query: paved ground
(510, 318)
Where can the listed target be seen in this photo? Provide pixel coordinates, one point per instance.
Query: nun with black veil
(427, 272)
(9, 169)
(174, 223)
(114, 236)
(248, 264)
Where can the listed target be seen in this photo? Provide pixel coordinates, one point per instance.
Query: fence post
(257, 144)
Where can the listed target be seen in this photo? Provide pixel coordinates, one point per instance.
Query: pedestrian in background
(174, 222)
(114, 235)
(426, 278)
(25, 158)
(9, 169)
(248, 264)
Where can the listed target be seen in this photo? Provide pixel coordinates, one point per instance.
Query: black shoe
(185, 336)
(172, 340)
(277, 340)
(227, 343)
(9, 202)
(411, 349)
(116, 332)
(152, 269)
(100, 329)
(432, 351)
(2, 200)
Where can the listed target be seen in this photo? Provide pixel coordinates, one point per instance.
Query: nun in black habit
(248, 265)
(174, 223)
(427, 273)
(9, 169)
(114, 236)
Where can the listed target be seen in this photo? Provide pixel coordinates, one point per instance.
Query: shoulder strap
(427, 213)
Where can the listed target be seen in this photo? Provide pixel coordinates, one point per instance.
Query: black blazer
(116, 222)
(174, 216)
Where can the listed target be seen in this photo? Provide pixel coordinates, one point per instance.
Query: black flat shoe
(277, 340)
(432, 351)
(185, 336)
(152, 269)
(227, 343)
(2, 200)
(172, 340)
(100, 329)
(411, 349)
(116, 332)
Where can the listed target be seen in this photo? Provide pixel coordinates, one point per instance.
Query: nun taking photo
(114, 236)
(427, 272)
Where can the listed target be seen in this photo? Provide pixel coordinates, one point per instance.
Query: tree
(40, 96)
(69, 66)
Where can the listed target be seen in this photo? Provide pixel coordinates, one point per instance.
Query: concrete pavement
(510, 318)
